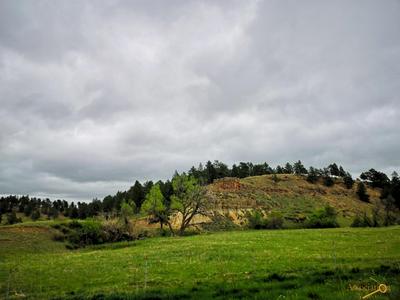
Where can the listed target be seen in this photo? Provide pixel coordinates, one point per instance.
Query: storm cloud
(96, 94)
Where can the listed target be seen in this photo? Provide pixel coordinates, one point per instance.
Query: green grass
(284, 264)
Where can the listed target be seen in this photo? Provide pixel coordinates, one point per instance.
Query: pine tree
(362, 192)
(312, 175)
(348, 181)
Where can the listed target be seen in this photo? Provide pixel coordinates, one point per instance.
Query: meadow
(340, 263)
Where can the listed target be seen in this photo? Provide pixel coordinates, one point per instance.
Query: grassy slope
(293, 196)
(298, 264)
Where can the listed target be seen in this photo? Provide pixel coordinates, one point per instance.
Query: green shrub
(220, 222)
(328, 181)
(274, 221)
(92, 232)
(322, 218)
(12, 218)
(35, 215)
(363, 221)
(256, 220)
(59, 237)
(362, 192)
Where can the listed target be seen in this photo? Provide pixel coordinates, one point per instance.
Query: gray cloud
(96, 94)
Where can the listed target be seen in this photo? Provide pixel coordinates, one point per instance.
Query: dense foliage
(258, 220)
(91, 232)
(322, 218)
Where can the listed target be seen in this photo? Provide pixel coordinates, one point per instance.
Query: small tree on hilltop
(288, 168)
(348, 181)
(299, 169)
(279, 170)
(333, 169)
(189, 199)
(362, 192)
(312, 176)
(342, 172)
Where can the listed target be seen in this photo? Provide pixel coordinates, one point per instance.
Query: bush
(328, 181)
(362, 192)
(322, 218)
(220, 222)
(348, 181)
(58, 237)
(92, 232)
(312, 176)
(12, 218)
(115, 231)
(363, 221)
(274, 221)
(256, 220)
(35, 215)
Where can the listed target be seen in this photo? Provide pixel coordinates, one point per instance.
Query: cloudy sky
(96, 94)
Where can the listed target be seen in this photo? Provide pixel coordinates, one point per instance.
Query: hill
(284, 264)
(291, 195)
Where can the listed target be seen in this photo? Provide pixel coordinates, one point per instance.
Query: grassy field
(341, 263)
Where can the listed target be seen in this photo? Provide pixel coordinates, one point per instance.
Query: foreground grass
(285, 264)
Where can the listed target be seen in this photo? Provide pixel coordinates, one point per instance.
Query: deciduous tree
(189, 199)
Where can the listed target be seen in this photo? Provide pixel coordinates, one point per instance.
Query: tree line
(162, 198)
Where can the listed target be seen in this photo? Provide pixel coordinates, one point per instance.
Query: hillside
(290, 195)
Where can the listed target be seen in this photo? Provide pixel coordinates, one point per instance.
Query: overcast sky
(96, 94)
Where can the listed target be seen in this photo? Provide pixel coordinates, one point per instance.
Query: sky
(97, 94)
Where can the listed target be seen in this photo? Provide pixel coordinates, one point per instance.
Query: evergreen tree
(348, 181)
(221, 170)
(73, 212)
(279, 170)
(375, 178)
(12, 218)
(288, 168)
(28, 210)
(147, 187)
(244, 170)
(312, 175)
(299, 169)
(362, 192)
(334, 170)
(211, 173)
(235, 171)
(342, 172)
(137, 194)
(35, 215)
